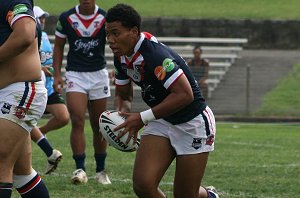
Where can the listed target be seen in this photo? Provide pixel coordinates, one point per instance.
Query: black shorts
(55, 98)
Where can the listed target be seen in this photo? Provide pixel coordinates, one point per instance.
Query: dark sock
(79, 160)
(45, 146)
(5, 190)
(35, 188)
(100, 161)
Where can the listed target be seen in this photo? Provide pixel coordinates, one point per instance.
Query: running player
(178, 125)
(22, 98)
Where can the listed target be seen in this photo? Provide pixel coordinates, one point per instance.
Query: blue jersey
(86, 36)
(155, 67)
(10, 12)
(46, 54)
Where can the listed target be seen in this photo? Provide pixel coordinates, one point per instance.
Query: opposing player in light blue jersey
(55, 102)
(87, 82)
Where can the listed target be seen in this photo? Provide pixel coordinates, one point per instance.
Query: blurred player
(87, 82)
(22, 99)
(55, 102)
(178, 125)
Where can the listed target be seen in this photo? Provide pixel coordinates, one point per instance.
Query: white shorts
(23, 103)
(194, 136)
(94, 84)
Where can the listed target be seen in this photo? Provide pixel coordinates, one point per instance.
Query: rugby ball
(109, 120)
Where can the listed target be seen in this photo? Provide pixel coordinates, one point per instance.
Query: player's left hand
(132, 125)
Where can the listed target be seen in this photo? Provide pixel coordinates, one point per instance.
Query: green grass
(216, 9)
(284, 99)
(250, 160)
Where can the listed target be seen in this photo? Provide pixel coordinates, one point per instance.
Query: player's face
(87, 4)
(121, 39)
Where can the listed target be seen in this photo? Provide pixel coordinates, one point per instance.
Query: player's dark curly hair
(125, 14)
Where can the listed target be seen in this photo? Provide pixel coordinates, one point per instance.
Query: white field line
(93, 177)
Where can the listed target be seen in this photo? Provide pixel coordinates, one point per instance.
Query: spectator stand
(221, 53)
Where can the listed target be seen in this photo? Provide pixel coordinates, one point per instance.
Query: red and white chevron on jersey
(86, 27)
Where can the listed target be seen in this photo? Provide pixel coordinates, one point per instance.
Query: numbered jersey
(86, 37)
(10, 12)
(155, 67)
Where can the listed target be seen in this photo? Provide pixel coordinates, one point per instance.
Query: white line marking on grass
(93, 177)
(255, 144)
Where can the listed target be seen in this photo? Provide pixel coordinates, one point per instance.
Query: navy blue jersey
(86, 36)
(10, 12)
(155, 67)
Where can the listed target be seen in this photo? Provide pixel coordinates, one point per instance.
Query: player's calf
(31, 186)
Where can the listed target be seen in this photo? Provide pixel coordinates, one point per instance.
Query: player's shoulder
(101, 11)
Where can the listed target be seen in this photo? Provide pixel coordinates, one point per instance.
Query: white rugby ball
(109, 120)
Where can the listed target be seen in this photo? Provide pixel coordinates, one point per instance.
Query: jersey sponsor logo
(59, 26)
(5, 109)
(20, 8)
(197, 143)
(86, 46)
(168, 65)
(160, 72)
(9, 16)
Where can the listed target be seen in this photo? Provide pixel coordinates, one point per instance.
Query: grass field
(250, 160)
(284, 99)
(226, 9)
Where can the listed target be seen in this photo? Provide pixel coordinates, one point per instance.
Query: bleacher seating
(221, 53)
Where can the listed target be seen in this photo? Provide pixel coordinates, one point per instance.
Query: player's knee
(63, 120)
(144, 186)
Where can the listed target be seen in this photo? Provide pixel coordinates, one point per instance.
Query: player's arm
(123, 97)
(181, 95)
(58, 53)
(20, 39)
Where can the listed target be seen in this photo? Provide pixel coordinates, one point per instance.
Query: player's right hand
(58, 84)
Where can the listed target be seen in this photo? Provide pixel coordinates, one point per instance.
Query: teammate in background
(179, 123)
(200, 68)
(87, 82)
(55, 102)
(22, 99)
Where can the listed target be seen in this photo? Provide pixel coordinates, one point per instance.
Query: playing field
(214, 9)
(250, 160)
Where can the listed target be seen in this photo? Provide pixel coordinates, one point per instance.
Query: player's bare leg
(190, 168)
(60, 117)
(96, 107)
(150, 165)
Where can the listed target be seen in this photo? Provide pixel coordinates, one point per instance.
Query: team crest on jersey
(5, 109)
(197, 143)
(75, 25)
